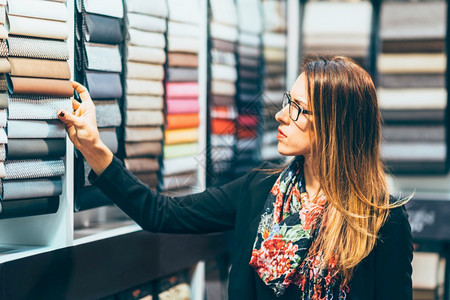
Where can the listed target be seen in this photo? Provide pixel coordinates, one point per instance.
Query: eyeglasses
(294, 109)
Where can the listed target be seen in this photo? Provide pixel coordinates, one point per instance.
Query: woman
(322, 228)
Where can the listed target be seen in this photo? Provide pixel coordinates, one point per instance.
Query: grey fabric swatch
(102, 29)
(29, 207)
(413, 20)
(22, 129)
(32, 188)
(103, 85)
(24, 169)
(109, 137)
(101, 57)
(37, 48)
(108, 113)
(35, 148)
(182, 74)
(412, 80)
(414, 133)
(36, 107)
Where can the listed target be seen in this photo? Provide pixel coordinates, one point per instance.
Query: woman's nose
(282, 116)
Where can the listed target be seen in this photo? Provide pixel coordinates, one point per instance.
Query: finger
(82, 91)
(69, 119)
(75, 104)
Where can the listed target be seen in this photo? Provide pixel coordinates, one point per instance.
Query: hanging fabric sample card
(98, 60)
(222, 109)
(182, 92)
(249, 87)
(412, 88)
(338, 28)
(274, 53)
(145, 75)
(38, 87)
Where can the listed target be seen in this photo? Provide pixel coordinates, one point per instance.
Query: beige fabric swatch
(5, 66)
(147, 39)
(146, 54)
(418, 98)
(143, 149)
(144, 118)
(144, 71)
(38, 28)
(48, 10)
(144, 87)
(143, 134)
(412, 63)
(136, 102)
(43, 68)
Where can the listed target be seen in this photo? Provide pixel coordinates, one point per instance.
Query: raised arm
(211, 211)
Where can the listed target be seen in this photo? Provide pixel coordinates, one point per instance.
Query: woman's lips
(280, 134)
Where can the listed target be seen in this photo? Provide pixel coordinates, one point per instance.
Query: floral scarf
(289, 226)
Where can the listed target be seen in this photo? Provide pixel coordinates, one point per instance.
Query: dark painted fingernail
(61, 114)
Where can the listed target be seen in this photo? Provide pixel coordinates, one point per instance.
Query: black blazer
(385, 274)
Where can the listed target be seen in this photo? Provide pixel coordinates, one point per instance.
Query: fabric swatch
(43, 68)
(47, 10)
(108, 113)
(40, 86)
(183, 44)
(31, 188)
(24, 169)
(113, 9)
(178, 136)
(179, 150)
(178, 121)
(37, 48)
(179, 165)
(188, 60)
(146, 22)
(182, 106)
(101, 57)
(141, 165)
(109, 137)
(182, 90)
(38, 28)
(148, 7)
(147, 39)
(182, 74)
(144, 71)
(103, 85)
(144, 118)
(183, 29)
(146, 54)
(36, 107)
(35, 148)
(143, 149)
(412, 63)
(26, 129)
(186, 11)
(144, 87)
(28, 207)
(136, 102)
(102, 29)
(143, 134)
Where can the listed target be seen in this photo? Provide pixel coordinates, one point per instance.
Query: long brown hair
(346, 155)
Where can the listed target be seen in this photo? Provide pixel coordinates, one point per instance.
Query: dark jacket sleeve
(213, 210)
(393, 256)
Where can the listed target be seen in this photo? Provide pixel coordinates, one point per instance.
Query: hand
(81, 126)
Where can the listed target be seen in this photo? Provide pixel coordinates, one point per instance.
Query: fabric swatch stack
(338, 28)
(249, 87)
(182, 91)
(144, 116)
(98, 59)
(412, 86)
(274, 45)
(223, 36)
(38, 86)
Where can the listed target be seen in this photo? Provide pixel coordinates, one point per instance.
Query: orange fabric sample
(223, 126)
(182, 121)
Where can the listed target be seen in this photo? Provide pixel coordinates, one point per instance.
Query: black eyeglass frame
(300, 109)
